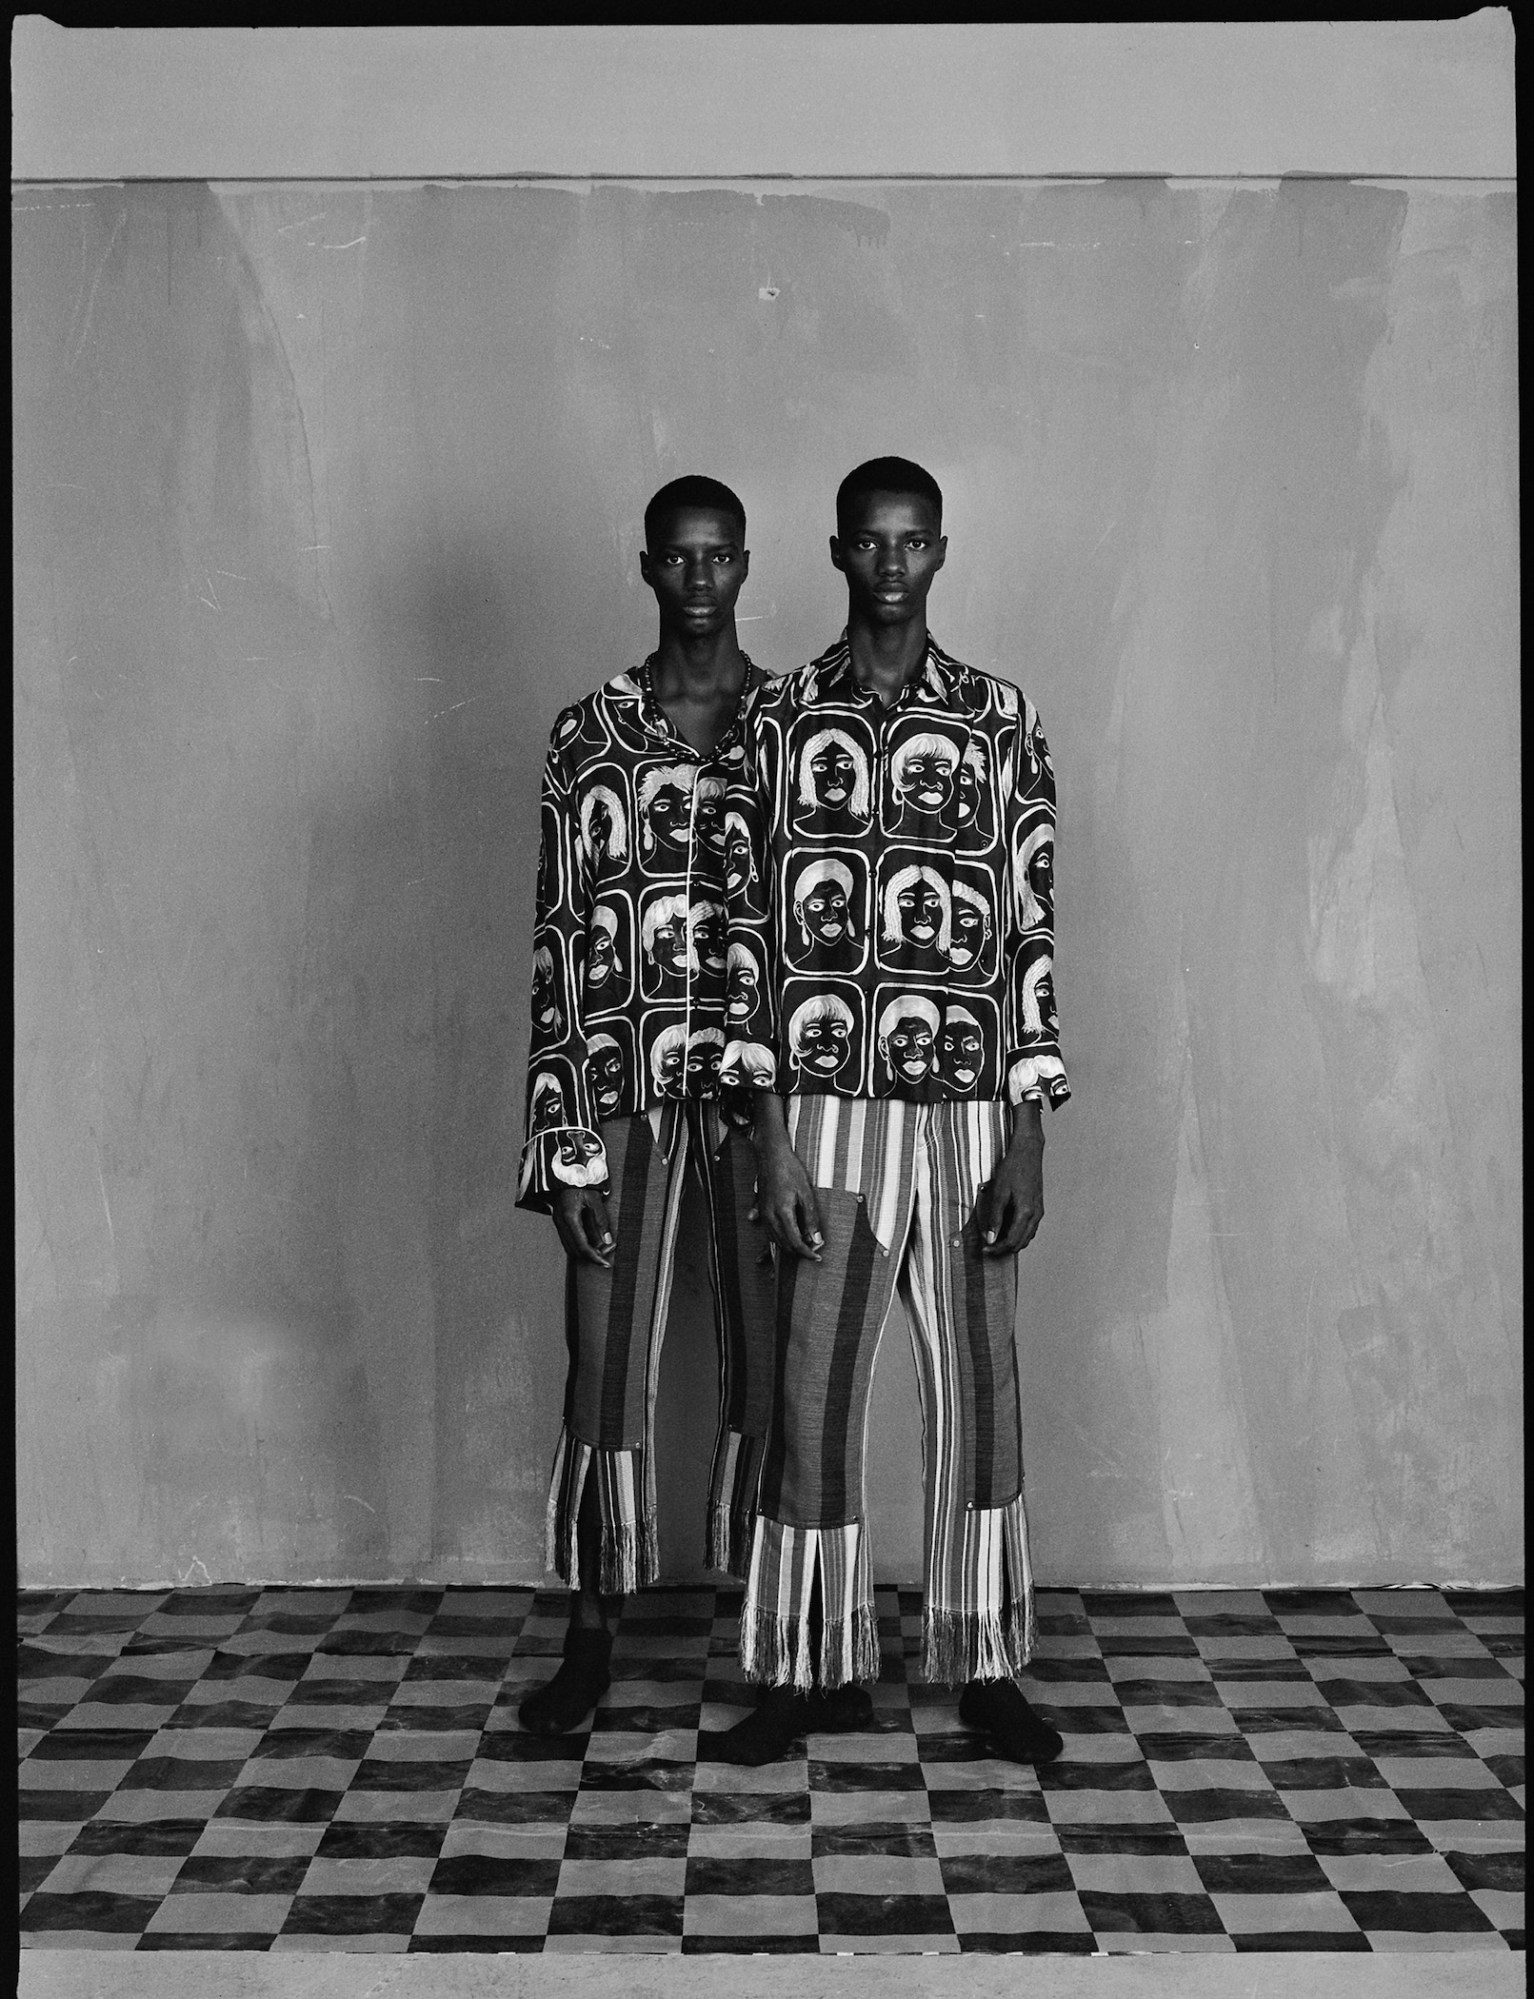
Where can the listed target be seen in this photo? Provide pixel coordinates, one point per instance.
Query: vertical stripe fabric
(896, 1184)
(615, 1331)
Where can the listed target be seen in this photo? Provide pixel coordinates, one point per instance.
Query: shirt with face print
(891, 890)
(631, 933)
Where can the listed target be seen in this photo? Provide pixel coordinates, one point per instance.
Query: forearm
(769, 1123)
(1027, 1138)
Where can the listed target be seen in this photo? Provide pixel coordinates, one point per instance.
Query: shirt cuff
(567, 1155)
(748, 1065)
(1039, 1077)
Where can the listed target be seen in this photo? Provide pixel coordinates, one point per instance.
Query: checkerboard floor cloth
(303, 1769)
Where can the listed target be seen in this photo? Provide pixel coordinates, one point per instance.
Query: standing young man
(629, 972)
(899, 807)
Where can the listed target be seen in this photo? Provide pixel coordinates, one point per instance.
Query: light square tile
(1244, 1915)
(207, 1911)
(483, 1915)
(1017, 1914)
(749, 1915)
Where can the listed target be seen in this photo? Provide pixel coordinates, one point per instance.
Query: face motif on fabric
(604, 1069)
(923, 775)
(1038, 996)
(704, 1052)
(665, 938)
(548, 1104)
(744, 988)
(708, 814)
(969, 785)
(601, 949)
(576, 1148)
(753, 1066)
(833, 779)
(546, 1015)
(917, 918)
(604, 825)
(739, 867)
(665, 809)
(960, 1049)
(971, 927)
(1036, 876)
(822, 912)
(710, 926)
(668, 1060)
(820, 1034)
(908, 1030)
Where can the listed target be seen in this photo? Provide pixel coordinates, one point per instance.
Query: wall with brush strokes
(327, 498)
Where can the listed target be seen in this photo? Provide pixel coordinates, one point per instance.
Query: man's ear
(644, 564)
(942, 551)
(836, 553)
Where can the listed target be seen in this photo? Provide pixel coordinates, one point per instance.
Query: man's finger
(809, 1222)
(1001, 1221)
(598, 1226)
(595, 1236)
(786, 1229)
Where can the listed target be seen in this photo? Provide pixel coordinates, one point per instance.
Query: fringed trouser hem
(732, 1505)
(629, 1552)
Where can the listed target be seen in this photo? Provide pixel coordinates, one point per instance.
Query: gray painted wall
(327, 498)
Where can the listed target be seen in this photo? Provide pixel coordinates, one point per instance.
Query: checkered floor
(295, 1769)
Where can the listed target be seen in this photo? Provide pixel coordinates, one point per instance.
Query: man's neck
(885, 658)
(698, 669)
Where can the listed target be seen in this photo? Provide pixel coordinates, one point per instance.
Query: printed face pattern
(890, 921)
(631, 939)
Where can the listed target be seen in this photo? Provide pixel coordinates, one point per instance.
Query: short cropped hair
(693, 490)
(886, 475)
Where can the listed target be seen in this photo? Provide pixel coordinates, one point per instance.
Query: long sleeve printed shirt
(890, 875)
(629, 939)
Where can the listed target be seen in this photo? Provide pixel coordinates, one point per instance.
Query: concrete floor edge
(108, 1974)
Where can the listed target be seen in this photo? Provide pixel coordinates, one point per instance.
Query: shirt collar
(657, 722)
(943, 674)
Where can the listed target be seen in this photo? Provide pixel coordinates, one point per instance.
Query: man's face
(909, 1048)
(834, 773)
(921, 912)
(669, 947)
(672, 1059)
(824, 911)
(967, 940)
(927, 780)
(600, 957)
(741, 998)
(695, 564)
(959, 1052)
(824, 1044)
(703, 1059)
(708, 935)
(890, 548)
(606, 1071)
(667, 815)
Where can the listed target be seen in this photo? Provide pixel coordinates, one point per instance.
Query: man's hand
(785, 1200)
(580, 1215)
(1011, 1203)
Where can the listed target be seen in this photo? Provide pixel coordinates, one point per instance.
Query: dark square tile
(616, 1915)
(865, 1776)
(92, 1745)
(665, 1841)
(751, 1808)
(643, 1774)
(410, 1773)
(1260, 1721)
(276, 1804)
(1459, 1804)
(89, 1910)
(1207, 1806)
(352, 1915)
(1324, 1773)
(221, 1714)
(1501, 1871)
(257, 1666)
(1323, 1645)
(285, 1743)
(61, 1805)
(1068, 1672)
(362, 1839)
(242, 1874)
(1234, 1624)
(367, 1644)
(135, 1690)
(1333, 1837)
(241, 1940)
(1151, 1915)
(325, 1692)
(1484, 1602)
(445, 1720)
(446, 1943)
(182, 1773)
(878, 1836)
(752, 1946)
(884, 1915)
(1371, 1693)
(1127, 1645)
(232, 1600)
(646, 1720)
(1464, 1719)
(1306, 1940)
(1159, 1747)
(367, 1601)
(1261, 1874)
(1507, 1770)
(1143, 1839)
(749, 1877)
(1007, 1874)
(34, 1661)
(33, 1869)
(1032, 1943)
(1418, 1910)
(289, 1623)
(514, 1807)
(494, 1874)
(155, 1836)
(1068, 1776)
(1234, 1671)
(429, 1666)
(1310, 1602)
(976, 1806)
(1169, 1693)
(1128, 1603)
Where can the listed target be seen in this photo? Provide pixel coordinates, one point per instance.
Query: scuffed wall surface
(327, 499)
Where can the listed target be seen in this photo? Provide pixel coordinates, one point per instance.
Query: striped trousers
(896, 1185)
(615, 1323)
